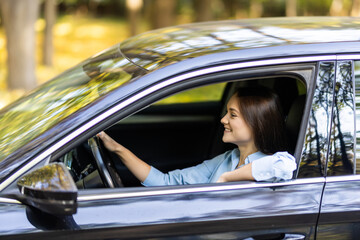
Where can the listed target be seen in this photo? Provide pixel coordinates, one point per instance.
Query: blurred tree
(291, 8)
(230, 7)
(336, 7)
(256, 8)
(341, 7)
(203, 11)
(19, 17)
(355, 10)
(50, 7)
(134, 7)
(163, 13)
(93, 6)
(313, 8)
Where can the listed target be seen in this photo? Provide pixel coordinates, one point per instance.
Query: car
(162, 94)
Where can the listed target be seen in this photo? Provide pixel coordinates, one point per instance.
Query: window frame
(304, 72)
(194, 78)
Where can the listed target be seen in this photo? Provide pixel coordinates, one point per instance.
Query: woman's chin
(226, 140)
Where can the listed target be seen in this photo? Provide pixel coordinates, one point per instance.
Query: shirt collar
(252, 157)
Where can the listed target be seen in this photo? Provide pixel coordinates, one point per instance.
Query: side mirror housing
(50, 189)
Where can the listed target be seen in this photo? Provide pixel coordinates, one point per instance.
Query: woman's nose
(224, 120)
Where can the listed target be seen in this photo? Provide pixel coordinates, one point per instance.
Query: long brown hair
(261, 110)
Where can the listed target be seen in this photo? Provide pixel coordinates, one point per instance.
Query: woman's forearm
(241, 174)
(137, 166)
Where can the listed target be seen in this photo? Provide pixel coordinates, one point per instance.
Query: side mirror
(50, 189)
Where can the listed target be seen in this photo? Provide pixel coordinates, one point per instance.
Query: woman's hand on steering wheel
(109, 143)
(105, 166)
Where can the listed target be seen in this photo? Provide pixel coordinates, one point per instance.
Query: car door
(340, 210)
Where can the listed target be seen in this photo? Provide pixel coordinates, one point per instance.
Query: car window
(179, 131)
(341, 155)
(315, 148)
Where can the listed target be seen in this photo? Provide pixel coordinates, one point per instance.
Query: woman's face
(236, 129)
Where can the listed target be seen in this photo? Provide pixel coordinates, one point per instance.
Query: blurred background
(41, 38)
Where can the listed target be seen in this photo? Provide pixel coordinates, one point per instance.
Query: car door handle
(278, 236)
(293, 236)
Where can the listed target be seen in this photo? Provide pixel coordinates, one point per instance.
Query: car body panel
(340, 211)
(111, 213)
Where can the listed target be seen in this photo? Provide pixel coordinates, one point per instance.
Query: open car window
(179, 131)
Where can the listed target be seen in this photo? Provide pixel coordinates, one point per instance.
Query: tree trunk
(336, 8)
(355, 10)
(93, 7)
(256, 9)
(50, 19)
(202, 10)
(133, 8)
(291, 8)
(163, 13)
(19, 17)
(231, 6)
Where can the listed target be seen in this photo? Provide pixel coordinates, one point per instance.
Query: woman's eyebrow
(233, 109)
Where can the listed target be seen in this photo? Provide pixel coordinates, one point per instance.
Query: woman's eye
(232, 115)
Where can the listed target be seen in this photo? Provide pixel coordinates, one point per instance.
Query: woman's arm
(279, 166)
(241, 174)
(137, 166)
(150, 176)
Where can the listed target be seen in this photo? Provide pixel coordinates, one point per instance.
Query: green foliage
(207, 93)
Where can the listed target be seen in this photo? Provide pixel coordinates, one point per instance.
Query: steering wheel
(106, 170)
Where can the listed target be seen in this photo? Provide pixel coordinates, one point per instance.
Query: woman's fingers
(109, 143)
(101, 134)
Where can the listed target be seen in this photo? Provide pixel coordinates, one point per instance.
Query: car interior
(176, 134)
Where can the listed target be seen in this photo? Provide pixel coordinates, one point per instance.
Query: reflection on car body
(138, 91)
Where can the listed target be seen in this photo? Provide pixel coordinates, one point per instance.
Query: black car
(162, 95)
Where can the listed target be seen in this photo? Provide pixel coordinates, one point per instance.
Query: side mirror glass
(50, 189)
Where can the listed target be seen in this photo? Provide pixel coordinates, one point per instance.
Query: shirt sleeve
(200, 173)
(279, 166)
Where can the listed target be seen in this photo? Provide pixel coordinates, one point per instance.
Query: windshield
(48, 105)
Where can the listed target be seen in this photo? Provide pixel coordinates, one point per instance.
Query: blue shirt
(264, 168)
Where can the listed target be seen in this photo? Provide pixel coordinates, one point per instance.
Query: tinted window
(341, 154)
(314, 153)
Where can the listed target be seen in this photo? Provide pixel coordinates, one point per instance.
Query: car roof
(159, 48)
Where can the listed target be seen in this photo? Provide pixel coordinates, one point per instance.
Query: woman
(254, 122)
